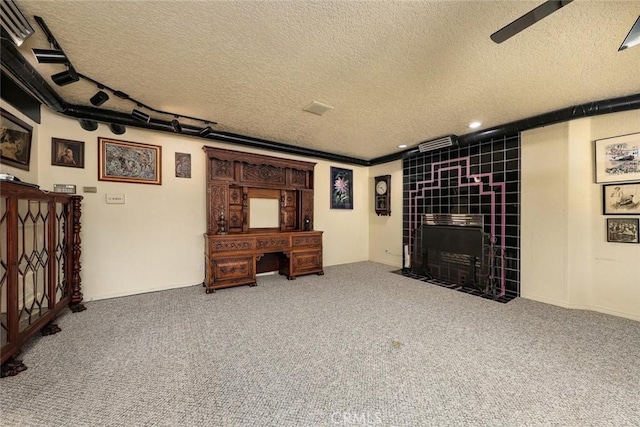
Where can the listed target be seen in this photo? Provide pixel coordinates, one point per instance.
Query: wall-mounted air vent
(14, 22)
(435, 144)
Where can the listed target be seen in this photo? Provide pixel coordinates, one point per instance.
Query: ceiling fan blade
(528, 19)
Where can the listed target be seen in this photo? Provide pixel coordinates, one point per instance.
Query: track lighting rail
(57, 55)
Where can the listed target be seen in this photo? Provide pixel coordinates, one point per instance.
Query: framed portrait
(132, 162)
(618, 159)
(15, 141)
(341, 188)
(65, 152)
(183, 165)
(622, 230)
(621, 199)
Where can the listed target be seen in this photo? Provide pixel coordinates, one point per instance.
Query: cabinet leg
(321, 273)
(251, 285)
(12, 367)
(77, 308)
(291, 278)
(210, 291)
(50, 329)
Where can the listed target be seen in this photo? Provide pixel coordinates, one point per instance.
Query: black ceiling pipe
(613, 105)
(26, 75)
(606, 106)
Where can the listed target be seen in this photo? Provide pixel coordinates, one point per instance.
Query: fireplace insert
(454, 248)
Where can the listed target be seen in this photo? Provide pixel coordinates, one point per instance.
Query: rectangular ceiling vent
(435, 144)
(14, 22)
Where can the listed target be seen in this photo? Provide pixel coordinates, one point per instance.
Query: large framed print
(15, 141)
(622, 230)
(621, 199)
(132, 162)
(618, 159)
(341, 188)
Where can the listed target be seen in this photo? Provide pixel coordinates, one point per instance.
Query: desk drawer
(272, 244)
(312, 241)
(217, 244)
(237, 270)
(306, 261)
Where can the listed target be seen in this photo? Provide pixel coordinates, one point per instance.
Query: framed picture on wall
(341, 188)
(183, 165)
(622, 230)
(621, 199)
(618, 159)
(65, 152)
(15, 141)
(132, 162)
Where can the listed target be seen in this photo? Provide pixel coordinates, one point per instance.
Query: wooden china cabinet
(259, 219)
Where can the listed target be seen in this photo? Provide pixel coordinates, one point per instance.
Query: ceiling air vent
(435, 144)
(14, 22)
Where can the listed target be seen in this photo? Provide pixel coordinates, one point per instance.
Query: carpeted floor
(358, 346)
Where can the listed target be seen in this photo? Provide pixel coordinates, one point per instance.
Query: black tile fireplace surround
(481, 180)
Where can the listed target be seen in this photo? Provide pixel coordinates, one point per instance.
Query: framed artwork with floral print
(341, 189)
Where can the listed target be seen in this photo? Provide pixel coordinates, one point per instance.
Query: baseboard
(595, 308)
(134, 292)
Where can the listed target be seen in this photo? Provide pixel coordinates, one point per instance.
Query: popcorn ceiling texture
(395, 72)
(358, 346)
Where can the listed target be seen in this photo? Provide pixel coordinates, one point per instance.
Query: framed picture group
(617, 167)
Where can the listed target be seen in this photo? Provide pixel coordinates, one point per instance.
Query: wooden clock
(382, 195)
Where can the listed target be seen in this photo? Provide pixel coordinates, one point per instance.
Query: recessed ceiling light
(402, 146)
(474, 125)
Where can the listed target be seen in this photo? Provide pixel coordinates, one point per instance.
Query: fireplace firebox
(454, 248)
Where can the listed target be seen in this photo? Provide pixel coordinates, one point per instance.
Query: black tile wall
(499, 157)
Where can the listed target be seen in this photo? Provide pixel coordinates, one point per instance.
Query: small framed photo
(621, 199)
(618, 159)
(341, 188)
(65, 152)
(622, 230)
(15, 141)
(183, 165)
(132, 162)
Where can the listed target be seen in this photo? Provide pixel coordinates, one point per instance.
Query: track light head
(64, 78)
(50, 56)
(89, 125)
(205, 131)
(175, 124)
(139, 115)
(99, 98)
(117, 128)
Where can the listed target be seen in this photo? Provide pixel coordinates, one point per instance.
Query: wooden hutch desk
(234, 251)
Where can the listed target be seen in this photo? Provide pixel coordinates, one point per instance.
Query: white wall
(385, 232)
(154, 241)
(566, 259)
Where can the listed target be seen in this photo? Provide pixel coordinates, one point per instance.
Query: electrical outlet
(200, 267)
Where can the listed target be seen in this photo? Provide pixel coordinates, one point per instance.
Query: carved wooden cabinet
(40, 252)
(238, 244)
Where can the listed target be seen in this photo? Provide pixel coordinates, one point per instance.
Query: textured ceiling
(396, 72)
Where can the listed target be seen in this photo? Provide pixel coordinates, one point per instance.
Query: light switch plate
(115, 198)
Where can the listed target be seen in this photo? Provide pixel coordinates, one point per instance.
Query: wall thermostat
(64, 188)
